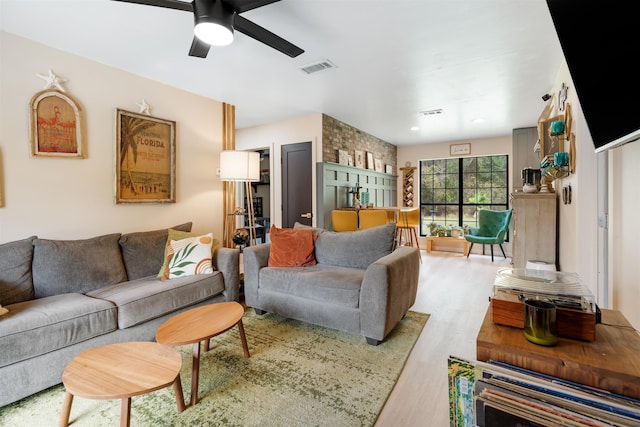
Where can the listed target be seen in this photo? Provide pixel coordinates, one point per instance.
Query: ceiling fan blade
(199, 49)
(169, 4)
(265, 36)
(240, 6)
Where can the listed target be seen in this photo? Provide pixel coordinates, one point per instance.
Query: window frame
(427, 215)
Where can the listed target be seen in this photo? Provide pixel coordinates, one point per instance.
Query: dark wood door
(297, 169)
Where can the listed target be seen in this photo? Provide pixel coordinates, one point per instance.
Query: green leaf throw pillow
(173, 235)
(189, 256)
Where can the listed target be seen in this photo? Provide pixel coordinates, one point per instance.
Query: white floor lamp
(242, 166)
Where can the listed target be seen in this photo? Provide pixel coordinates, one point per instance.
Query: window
(453, 190)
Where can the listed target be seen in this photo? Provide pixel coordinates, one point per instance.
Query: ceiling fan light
(213, 33)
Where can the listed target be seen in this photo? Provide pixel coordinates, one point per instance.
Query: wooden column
(228, 187)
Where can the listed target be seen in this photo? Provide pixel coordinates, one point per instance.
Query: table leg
(195, 373)
(125, 412)
(243, 338)
(177, 388)
(66, 409)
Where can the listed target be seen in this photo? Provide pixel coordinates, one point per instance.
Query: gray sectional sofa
(360, 284)
(64, 296)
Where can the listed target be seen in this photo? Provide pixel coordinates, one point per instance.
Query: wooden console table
(611, 362)
(431, 239)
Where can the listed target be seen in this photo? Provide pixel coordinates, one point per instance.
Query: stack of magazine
(495, 394)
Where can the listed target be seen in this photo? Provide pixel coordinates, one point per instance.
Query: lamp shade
(239, 165)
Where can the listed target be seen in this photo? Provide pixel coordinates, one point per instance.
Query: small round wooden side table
(200, 324)
(121, 371)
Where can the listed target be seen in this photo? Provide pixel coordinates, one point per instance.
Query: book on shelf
(502, 394)
(461, 375)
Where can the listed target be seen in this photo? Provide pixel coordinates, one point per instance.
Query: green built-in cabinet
(334, 182)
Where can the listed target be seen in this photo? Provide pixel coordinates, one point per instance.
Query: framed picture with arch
(57, 127)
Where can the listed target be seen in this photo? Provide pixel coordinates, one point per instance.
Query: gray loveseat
(65, 296)
(359, 285)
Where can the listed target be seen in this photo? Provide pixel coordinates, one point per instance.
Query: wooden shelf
(409, 186)
(610, 362)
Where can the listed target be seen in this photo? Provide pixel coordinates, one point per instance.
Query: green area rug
(298, 375)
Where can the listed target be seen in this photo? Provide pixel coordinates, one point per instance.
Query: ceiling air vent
(316, 67)
(431, 112)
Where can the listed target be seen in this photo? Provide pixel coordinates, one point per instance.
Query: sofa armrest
(255, 258)
(388, 291)
(227, 261)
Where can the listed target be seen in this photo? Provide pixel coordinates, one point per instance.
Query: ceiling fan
(216, 20)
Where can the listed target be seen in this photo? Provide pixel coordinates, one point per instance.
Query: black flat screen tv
(601, 45)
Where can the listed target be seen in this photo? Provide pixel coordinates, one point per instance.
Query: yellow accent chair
(344, 220)
(407, 224)
(372, 218)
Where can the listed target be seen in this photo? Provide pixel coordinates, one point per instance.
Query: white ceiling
(488, 59)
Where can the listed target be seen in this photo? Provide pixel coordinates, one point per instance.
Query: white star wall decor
(52, 81)
(144, 108)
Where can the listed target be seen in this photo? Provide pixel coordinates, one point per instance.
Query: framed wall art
(343, 157)
(57, 128)
(145, 158)
(359, 159)
(459, 149)
(370, 164)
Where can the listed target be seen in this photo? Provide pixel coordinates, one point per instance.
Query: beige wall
(72, 198)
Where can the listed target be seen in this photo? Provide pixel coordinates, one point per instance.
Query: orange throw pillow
(291, 247)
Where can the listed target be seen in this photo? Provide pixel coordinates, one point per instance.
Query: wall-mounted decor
(57, 128)
(572, 152)
(551, 142)
(568, 120)
(460, 149)
(359, 159)
(370, 164)
(388, 169)
(343, 157)
(145, 158)
(379, 165)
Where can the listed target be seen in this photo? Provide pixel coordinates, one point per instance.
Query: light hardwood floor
(455, 291)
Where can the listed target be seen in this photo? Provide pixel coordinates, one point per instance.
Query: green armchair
(492, 230)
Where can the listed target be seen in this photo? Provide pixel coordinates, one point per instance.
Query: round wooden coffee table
(121, 371)
(201, 324)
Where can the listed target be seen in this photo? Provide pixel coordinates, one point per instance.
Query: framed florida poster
(145, 158)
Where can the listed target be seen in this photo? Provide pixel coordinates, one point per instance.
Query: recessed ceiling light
(415, 128)
(479, 120)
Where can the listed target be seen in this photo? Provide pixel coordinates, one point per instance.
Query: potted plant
(456, 231)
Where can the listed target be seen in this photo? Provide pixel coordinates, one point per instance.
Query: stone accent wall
(337, 135)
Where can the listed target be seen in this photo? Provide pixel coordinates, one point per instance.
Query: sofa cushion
(143, 252)
(147, 298)
(43, 325)
(76, 266)
(326, 283)
(172, 234)
(291, 247)
(16, 281)
(356, 249)
(189, 256)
